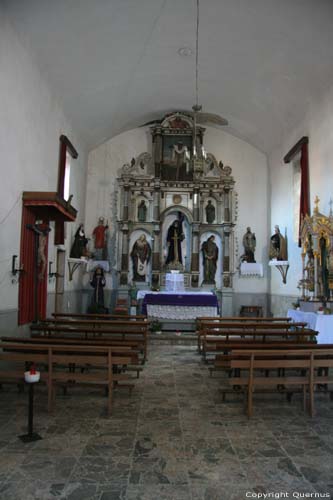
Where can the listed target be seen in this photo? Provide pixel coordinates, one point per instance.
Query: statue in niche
(100, 235)
(79, 247)
(140, 254)
(309, 269)
(98, 282)
(175, 236)
(249, 243)
(210, 212)
(278, 246)
(210, 254)
(323, 268)
(142, 211)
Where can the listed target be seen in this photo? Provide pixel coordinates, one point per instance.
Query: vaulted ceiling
(115, 64)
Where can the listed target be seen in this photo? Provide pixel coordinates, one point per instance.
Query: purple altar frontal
(179, 301)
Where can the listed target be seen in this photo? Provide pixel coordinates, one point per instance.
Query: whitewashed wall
(249, 168)
(318, 126)
(31, 122)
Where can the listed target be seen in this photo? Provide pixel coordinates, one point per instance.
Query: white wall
(31, 122)
(249, 168)
(318, 126)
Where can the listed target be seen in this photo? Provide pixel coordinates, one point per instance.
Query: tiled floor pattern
(172, 439)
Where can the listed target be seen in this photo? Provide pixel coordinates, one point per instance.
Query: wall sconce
(16, 272)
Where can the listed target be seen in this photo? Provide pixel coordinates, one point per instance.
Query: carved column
(156, 257)
(124, 257)
(157, 151)
(195, 256)
(227, 208)
(125, 206)
(196, 205)
(156, 203)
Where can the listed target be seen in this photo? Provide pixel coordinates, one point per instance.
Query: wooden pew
(91, 329)
(101, 361)
(122, 317)
(292, 368)
(204, 323)
(131, 349)
(222, 362)
(213, 334)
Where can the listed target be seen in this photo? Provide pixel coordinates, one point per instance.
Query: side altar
(176, 211)
(317, 258)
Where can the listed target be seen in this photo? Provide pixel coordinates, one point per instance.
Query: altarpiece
(317, 255)
(173, 200)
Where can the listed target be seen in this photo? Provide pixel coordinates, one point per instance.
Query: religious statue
(42, 249)
(98, 283)
(210, 253)
(100, 234)
(210, 212)
(249, 243)
(309, 269)
(180, 158)
(142, 211)
(323, 269)
(140, 255)
(175, 236)
(79, 247)
(278, 246)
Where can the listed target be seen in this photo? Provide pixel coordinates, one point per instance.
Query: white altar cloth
(174, 282)
(322, 323)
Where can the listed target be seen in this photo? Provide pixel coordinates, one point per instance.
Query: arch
(177, 208)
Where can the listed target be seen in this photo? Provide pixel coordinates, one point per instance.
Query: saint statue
(79, 249)
(140, 255)
(278, 246)
(309, 269)
(142, 211)
(100, 234)
(175, 237)
(98, 283)
(210, 254)
(249, 243)
(210, 212)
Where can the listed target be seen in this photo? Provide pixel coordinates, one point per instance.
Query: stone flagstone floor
(172, 439)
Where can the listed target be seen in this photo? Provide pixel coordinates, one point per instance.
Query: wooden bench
(212, 335)
(203, 322)
(131, 349)
(103, 366)
(287, 369)
(92, 329)
(222, 362)
(122, 317)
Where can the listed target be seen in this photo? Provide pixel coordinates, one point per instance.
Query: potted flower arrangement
(156, 326)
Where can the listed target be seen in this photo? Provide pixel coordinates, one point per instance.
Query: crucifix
(175, 239)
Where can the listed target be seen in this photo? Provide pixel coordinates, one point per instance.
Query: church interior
(166, 274)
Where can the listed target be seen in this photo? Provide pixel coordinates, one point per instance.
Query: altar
(180, 306)
(322, 323)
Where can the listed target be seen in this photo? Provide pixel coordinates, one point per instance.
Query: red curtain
(305, 195)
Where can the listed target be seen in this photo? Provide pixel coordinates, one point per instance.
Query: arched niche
(132, 239)
(204, 202)
(168, 217)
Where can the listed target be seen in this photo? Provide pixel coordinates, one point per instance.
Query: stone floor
(172, 439)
